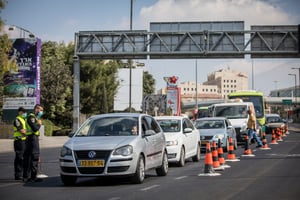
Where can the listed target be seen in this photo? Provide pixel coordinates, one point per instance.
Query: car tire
(68, 180)
(181, 161)
(163, 169)
(196, 157)
(226, 148)
(139, 175)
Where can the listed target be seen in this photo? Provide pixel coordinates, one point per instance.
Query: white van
(237, 113)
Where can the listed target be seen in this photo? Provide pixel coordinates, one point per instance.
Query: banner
(22, 87)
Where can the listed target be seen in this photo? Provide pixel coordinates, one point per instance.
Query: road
(271, 174)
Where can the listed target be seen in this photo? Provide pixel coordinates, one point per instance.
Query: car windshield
(209, 124)
(109, 126)
(274, 119)
(169, 125)
(232, 111)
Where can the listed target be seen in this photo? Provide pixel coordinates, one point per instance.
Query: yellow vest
(18, 134)
(29, 130)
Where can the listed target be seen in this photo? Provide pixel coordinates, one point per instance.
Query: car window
(110, 126)
(209, 124)
(169, 125)
(189, 124)
(152, 124)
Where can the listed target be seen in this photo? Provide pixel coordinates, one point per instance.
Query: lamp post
(299, 79)
(295, 87)
(22, 31)
(130, 63)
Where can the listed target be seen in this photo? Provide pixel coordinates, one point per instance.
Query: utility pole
(130, 67)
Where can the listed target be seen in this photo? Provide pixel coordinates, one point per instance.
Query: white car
(182, 138)
(116, 144)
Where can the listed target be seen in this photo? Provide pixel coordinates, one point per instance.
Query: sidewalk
(6, 145)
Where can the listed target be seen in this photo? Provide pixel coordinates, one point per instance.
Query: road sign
(287, 101)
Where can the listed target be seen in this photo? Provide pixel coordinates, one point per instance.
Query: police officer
(19, 142)
(32, 152)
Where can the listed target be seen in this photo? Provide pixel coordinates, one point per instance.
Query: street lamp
(295, 86)
(22, 31)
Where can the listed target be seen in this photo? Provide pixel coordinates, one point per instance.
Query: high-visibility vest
(17, 133)
(29, 130)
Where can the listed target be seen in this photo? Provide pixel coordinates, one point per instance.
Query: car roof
(211, 118)
(272, 115)
(170, 117)
(125, 114)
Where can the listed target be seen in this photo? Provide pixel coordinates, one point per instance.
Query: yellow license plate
(204, 142)
(92, 163)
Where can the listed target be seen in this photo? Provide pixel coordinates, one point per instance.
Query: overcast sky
(58, 20)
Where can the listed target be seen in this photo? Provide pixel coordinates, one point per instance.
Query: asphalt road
(271, 174)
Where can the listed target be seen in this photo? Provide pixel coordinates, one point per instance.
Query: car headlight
(218, 136)
(124, 151)
(65, 151)
(172, 143)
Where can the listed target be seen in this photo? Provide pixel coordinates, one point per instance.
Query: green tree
(148, 83)
(56, 84)
(98, 86)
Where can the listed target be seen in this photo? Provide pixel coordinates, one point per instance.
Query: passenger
(251, 126)
(134, 130)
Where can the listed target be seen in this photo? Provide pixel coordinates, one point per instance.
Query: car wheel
(196, 158)
(181, 162)
(163, 169)
(139, 175)
(226, 148)
(235, 144)
(68, 180)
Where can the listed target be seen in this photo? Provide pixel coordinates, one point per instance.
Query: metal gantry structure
(185, 40)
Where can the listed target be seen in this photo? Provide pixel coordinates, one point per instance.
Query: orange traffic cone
(273, 137)
(221, 156)
(264, 141)
(208, 168)
(278, 134)
(247, 151)
(216, 163)
(231, 156)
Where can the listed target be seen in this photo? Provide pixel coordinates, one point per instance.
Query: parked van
(237, 114)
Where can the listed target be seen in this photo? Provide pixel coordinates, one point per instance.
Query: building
(227, 81)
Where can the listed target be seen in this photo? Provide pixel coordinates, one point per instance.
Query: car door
(230, 130)
(190, 138)
(155, 141)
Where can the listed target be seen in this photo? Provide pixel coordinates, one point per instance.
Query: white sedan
(115, 144)
(182, 139)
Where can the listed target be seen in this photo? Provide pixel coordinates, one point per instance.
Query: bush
(50, 127)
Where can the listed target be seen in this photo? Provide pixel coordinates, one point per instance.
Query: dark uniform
(19, 143)
(32, 152)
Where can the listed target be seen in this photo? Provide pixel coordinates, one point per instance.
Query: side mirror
(149, 132)
(187, 130)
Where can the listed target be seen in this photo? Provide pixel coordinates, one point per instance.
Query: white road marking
(180, 177)
(149, 188)
(8, 184)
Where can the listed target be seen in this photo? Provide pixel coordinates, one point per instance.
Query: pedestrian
(251, 126)
(19, 142)
(32, 152)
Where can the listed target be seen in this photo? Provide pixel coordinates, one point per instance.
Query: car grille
(117, 169)
(103, 155)
(206, 137)
(68, 169)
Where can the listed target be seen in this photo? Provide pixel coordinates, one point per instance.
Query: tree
(56, 84)
(148, 83)
(5, 48)
(98, 86)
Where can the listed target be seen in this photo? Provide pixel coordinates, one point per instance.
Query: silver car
(115, 144)
(215, 128)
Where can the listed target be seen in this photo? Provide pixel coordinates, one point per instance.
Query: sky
(58, 20)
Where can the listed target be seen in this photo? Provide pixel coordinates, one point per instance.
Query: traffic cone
(221, 156)
(216, 163)
(287, 129)
(278, 134)
(208, 168)
(273, 137)
(264, 141)
(247, 151)
(231, 156)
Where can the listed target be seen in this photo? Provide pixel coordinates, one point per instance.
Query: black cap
(21, 109)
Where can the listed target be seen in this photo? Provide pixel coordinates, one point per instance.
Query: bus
(257, 98)
(202, 112)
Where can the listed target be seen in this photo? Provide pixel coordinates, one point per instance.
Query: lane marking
(180, 177)
(149, 188)
(8, 184)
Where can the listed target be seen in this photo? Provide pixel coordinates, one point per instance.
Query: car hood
(172, 136)
(106, 142)
(238, 122)
(275, 125)
(208, 132)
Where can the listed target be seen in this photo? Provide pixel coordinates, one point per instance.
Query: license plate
(204, 141)
(91, 163)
